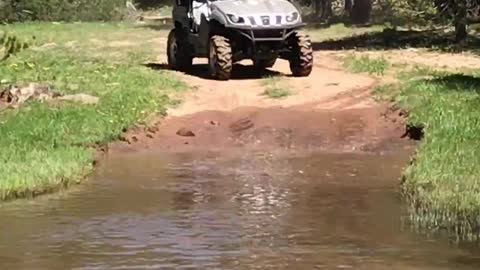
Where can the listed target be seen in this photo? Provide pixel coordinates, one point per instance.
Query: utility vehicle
(229, 31)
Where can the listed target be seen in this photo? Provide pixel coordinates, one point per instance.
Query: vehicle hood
(254, 7)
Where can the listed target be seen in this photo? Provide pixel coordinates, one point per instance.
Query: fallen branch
(12, 96)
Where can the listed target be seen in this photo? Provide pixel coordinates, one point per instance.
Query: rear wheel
(179, 57)
(220, 58)
(301, 57)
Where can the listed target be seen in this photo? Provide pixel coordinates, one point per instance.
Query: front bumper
(266, 34)
(262, 27)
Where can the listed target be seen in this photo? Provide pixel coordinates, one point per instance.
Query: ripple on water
(253, 211)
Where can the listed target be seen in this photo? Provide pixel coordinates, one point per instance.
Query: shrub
(61, 10)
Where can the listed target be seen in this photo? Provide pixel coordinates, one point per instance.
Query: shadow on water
(239, 72)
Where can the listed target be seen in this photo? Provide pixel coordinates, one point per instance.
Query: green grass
(164, 11)
(339, 31)
(373, 66)
(275, 88)
(48, 146)
(442, 184)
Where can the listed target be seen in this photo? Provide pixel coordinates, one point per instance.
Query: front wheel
(220, 62)
(179, 57)
(301, 56)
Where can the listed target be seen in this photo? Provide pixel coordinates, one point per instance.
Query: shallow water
(212, 211)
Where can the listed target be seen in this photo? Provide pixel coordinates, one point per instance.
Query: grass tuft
(275, 88)
(361, 64)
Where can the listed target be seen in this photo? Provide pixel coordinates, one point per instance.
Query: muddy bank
(331, 111)
(294, 129)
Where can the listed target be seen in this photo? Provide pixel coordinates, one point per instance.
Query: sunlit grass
(45, 146)
(442, 184)
(371, 65)
(276, 88)
(339, 31)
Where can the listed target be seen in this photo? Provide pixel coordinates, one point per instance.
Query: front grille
(268, 33)
(265, 20)
(279, 20)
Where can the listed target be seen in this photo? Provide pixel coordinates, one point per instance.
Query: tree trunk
(461, 33)
(361, 11)
(327, 6)
(316, 7)
(348, 5)
(322, 8)
(461, 22)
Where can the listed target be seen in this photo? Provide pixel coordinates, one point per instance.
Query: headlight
(293, 17)
(235, 19)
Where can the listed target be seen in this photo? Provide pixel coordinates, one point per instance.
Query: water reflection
(211, 211)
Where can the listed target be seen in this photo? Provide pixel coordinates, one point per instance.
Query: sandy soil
(331, 110)
(453, 62)
(320, 89)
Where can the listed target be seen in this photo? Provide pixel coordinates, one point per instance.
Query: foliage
(61, 10)
(407, 12)
(451, 8)
(148, 4)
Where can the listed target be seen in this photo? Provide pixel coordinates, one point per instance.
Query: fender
(218, 16)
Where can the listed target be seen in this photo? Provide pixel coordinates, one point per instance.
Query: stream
(226, 211)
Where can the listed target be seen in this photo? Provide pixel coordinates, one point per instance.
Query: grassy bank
(47, 145)
(442, 184)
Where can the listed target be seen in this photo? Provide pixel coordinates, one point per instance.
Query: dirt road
(331, 110)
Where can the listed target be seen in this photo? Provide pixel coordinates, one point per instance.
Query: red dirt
(269, 129)
(331, 110)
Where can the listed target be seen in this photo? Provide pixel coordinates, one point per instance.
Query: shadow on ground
(240, 71)
(458, 82)
(156, 26)
(397, 39)
(314, 23)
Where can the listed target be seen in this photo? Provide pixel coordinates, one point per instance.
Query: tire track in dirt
(331, 110)
(245, 89)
